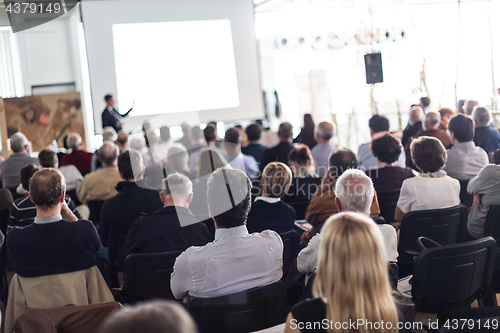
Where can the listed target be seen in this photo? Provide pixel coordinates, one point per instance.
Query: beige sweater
(99, 185)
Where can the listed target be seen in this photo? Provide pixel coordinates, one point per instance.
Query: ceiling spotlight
(302, 42)
(320, 42)
(284, 43)
(398, 34)
(336, 41)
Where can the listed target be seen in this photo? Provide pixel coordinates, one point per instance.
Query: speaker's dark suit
(112, 118)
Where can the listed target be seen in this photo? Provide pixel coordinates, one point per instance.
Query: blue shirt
(367, 161)
(487, 138)
(320, 154)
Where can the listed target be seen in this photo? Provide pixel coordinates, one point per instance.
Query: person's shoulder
(269, 235)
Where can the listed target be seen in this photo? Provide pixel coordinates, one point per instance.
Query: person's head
(122, 139)
(186, 130)
(47, 189)
(481, 116)
(110, 101)
(164, 134)
(47, 158)
(253, 132)
(460, 106)
(130, 165)
(137, 143)
(178, 158)
(324, 132)
(352, 274)
(109, 134)
(428, 154)
(416, 115)
(19, 143)
(150, 317)
(378, 124)
(232, 141)
(197, 134)
(308, 121)
(209, 161)
(228, 197)
(176, 190)
(74, 141)
(432, 120)
(425, 102)
(210, 134)
(301, 161)
(342, 160)
(386, 148)
(354, 192)
(285, 131)
(461, 129)
(25, 175)
(108, 153)
(276, 180)
(446, 114)
(469, 106)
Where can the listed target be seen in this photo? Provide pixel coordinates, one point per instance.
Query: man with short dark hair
(71, 174)
(254, 147)
(485, 136)
(425, 102)
(238, 160)
(279, 153)
(122, 142)
(236, 260)
(9, 169)
(210, 134)
(414, 123)
(323, 134)
(465, 159)
(111, 117)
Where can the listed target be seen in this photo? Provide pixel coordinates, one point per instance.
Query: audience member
(197, 139)
(485, 136)
(465, 160)
(119, 212)
(306, 135)
(165, 142)
(178, 161)
(48, 159)
(414, 123)
(352, 279)
(446, 114)
(122, 142)
(432, 188)
(150, 317)
(279, 153)
(469, 106)
(302, 162)
(424, 103)
(78, 157)
(238, 160)
(236, 260)
(354, 193)
(108, 134)
(185, 140)
(323, 135)
(388, 175)
(210, 134)
(170, 228)
(460, 106)
(57, 242)
(268, 211)
(254, 147)
(9, 169)
(379, 125)
(101, 185)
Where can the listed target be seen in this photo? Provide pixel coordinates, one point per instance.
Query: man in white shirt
(323, 135)
(236, 260)
(353, 193)
(465, 159)
(238, 160)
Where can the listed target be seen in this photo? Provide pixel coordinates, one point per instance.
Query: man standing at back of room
(111, 117)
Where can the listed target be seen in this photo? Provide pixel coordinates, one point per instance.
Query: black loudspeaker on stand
(373, 67)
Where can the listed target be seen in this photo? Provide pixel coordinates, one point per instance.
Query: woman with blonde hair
(352, 282)
(268, 210)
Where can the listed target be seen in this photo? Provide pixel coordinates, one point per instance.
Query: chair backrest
(291, 247)
(387, 201)
(492, 224)
(246, 311)
(95, 208)
(393, 269)
(465, 198)
(450, 277)
(147, 275)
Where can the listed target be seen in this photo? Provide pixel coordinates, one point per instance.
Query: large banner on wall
(45, 118)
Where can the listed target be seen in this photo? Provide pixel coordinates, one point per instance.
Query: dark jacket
(113, 118)
(256, 150)
(410, 131)
(488, 138)
(263, 215)
(278, 153)
(162, 231)
(389, 177)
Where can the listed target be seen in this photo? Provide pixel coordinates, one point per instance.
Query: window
(11, 80)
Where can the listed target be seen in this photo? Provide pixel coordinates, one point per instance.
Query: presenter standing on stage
(111, 117)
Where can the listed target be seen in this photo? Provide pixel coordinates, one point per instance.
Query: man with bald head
(414, 123)
(323, 134)
(485, 136)
(100, 185)
(469, 106)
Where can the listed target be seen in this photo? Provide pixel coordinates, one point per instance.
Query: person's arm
(405, 201)
(398, 215)
(291, 324)
(81, 191)
(480, 183)
(307, 260)
(181, 280)
(72, 207)
(67, 214)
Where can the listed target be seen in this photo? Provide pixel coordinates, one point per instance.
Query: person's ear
(31, 198)
(374, 200)
(121, 175)
(337, 203)
(162, 197)
(189, 198)
(63, 196)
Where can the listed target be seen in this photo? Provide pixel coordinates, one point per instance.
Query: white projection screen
(191, 61)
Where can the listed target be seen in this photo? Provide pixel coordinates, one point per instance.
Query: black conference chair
(300, 193)
(291, 248)
(444, 226)
(242, 312)
(148, 275)
(387, 201)
(393, 274)
(465, 198)
(95, 207)
(492, 228)
(451, 277)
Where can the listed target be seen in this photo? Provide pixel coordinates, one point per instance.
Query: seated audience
(306, 135)
(210, 135)
(236, 260)
(323, 204)
(197, 139)
(354, 193)
(9, 169)
(268, 210)
(414, 123)
(279, 153)
(424, 103)
(78, 157)
(57, 242)
(460, 106)
(323, 135)
(122, 142)
(432, 188)
(446, 114)
(469, 106)
(238, 160)
(119, 212)
(465, 159)
(254, 147)
(178, 161)
(48, 159)
(352, 280)
(186, 137)
(100, 185)
(151, 317)
(379, 125)
(301, 162)
(165, 142)
(23, 210)
(108, 134)
(170, 228)
(485, 136)
(389, 175)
